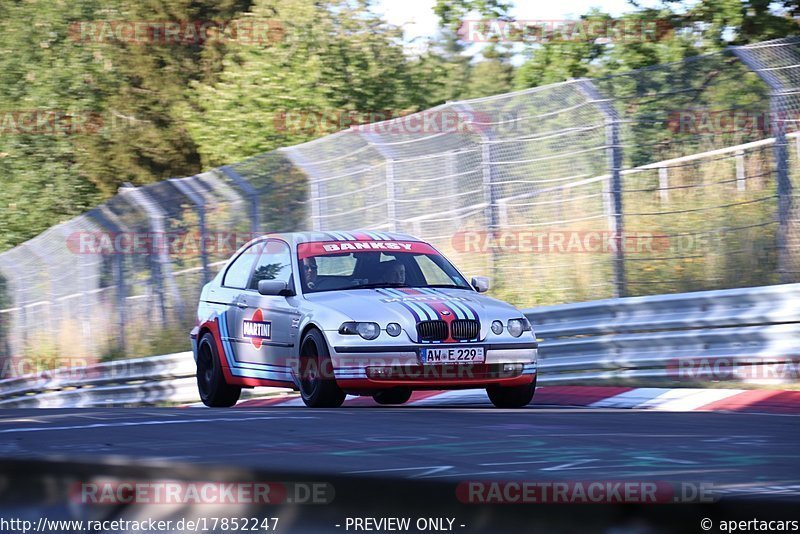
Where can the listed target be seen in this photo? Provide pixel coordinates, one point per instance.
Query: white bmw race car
(364, 313)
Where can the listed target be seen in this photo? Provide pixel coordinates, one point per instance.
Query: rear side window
(238, 272)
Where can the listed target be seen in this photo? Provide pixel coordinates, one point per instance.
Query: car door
(266, 325)
(225, 297)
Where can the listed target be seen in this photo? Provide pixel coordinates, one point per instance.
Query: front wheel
(214, 391)
(513, 397)
(392, 396)
(318, 387)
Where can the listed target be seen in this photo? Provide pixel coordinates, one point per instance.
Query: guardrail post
(251, 193)
(780, 152)
(614, 151)
(184, 186)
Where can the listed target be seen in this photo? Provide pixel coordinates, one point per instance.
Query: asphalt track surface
(745, 454)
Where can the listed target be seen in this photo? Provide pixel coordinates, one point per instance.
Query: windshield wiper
(378, 285)
(446, 286)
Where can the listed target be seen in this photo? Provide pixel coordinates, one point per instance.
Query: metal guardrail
(143, 381)
(605, 340)
(682, 337)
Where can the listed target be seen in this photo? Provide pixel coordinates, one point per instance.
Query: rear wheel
(214, 391)
(513, 397)
(392, 396)
(318, 387)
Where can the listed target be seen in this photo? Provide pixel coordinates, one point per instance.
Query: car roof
(297, 238)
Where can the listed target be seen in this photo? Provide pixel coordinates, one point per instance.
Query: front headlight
(517, 326)
(497, 327)
(367, 331)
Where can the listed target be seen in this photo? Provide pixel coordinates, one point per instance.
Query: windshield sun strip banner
(326, 248)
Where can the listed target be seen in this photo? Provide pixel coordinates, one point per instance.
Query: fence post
(86, 305)
(391, 204)
(614, 151)
(741, 173)
(314, 187)
(160, 261)
(106, 219)
(780, 152)
(663, 184)
(251, 193)
(391, 187)
(12, 343)
(184, 186)
(487, 136)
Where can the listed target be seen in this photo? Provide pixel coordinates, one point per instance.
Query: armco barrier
(605, 340)
(651, 337)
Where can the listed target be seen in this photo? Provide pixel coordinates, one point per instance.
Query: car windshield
(361, 265)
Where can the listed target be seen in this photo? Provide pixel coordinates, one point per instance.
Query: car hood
(408, 306)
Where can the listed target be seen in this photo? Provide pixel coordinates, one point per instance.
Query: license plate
(452, 355)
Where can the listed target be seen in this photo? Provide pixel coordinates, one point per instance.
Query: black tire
(318, 387)
(392, 396)
(513, 397)
(214, 391)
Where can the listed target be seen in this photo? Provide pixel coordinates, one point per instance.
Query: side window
(275, 263)
(238, 272)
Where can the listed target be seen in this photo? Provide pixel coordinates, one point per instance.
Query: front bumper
(360, 368)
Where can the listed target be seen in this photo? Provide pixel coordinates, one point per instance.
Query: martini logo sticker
(257, 329)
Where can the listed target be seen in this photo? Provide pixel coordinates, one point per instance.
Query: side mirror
(480, 283)
(274, 288)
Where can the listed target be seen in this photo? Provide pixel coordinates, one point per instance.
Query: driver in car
(394, 273)
(310, 272)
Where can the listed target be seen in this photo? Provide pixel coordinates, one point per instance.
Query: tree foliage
(163, 110)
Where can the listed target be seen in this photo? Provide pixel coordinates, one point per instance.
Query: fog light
(497, 327)
(512, 367)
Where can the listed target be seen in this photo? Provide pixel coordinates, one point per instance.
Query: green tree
(127, 91)
(335, 59)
